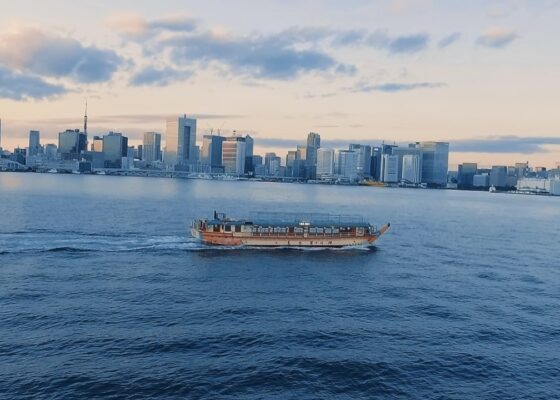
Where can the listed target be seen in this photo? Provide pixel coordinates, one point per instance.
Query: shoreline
(231, 178)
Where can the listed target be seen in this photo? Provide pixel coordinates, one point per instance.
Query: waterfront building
(481, 180)
(347, 166)
(272, 164)
(51, 151)
(412, 168)
(180, 146)
(400, 152)
(390, 168)
(364, 159)
(290, 159)
(465, 175)
(211, 153)
(140, 150)
(115, 148)
(249, 145)
(313, 144)
(435, 162)
(499, 176)
(233, 155)
(71, 144)
(325, 162)
(151, 148)
(34, 143)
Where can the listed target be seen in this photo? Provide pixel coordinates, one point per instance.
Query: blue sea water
(103, 294)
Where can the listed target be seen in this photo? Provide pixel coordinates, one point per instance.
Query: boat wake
(76, 242)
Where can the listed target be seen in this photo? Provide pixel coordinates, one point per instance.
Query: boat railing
(315, 218)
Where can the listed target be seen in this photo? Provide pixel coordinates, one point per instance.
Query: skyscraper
(71, 144)
(348, 164)
(313, 143)
(151, 147)
(115, 147)
(435, 162)
(364, 159)
(233, 155)
(211, 153)
(180, 142)
(390, 168)
(411, 168)
(325, 162)
(34, 143)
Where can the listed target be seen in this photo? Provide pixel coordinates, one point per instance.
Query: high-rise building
(411, 168)
(499, 176)
(325, 162)
(34, 143)
(348, 164)
(71, 144)
(211, 153)
(233, 155)
(390, 168)
(435, 162)
(403, 151)
(151, 147)
(364, 159)
(115, 147)
(249, 144)
(180, 142)
(465, 175)
(313, 144)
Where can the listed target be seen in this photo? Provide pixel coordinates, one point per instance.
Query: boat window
(237, 228)
(216, 228)
(328, 230)
(227, 228)
(319, 230)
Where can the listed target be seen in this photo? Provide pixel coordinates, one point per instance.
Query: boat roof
(294, 219)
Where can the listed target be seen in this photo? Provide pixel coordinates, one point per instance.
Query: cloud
(41, 53)
(506, 144)
(135, 26)
(393, 87)
(268, 57)
(497, 38)
(449, 40)
(151, 76)
(18, 86)
(408, 44)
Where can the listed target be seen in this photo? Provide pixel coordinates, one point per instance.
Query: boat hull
(230, 239)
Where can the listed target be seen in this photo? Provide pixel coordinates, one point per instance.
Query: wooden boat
(287, 230)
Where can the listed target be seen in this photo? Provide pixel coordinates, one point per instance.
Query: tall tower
(85, 120)
(0, 133)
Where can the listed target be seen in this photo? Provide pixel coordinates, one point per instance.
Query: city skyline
(365, 72)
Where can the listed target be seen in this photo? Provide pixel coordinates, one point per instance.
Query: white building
(390, 168)
(325, 162)
(412, 169)
(233, 155)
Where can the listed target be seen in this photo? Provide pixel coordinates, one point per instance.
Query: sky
(483, 75)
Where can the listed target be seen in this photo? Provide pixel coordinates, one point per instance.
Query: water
(103, 294)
